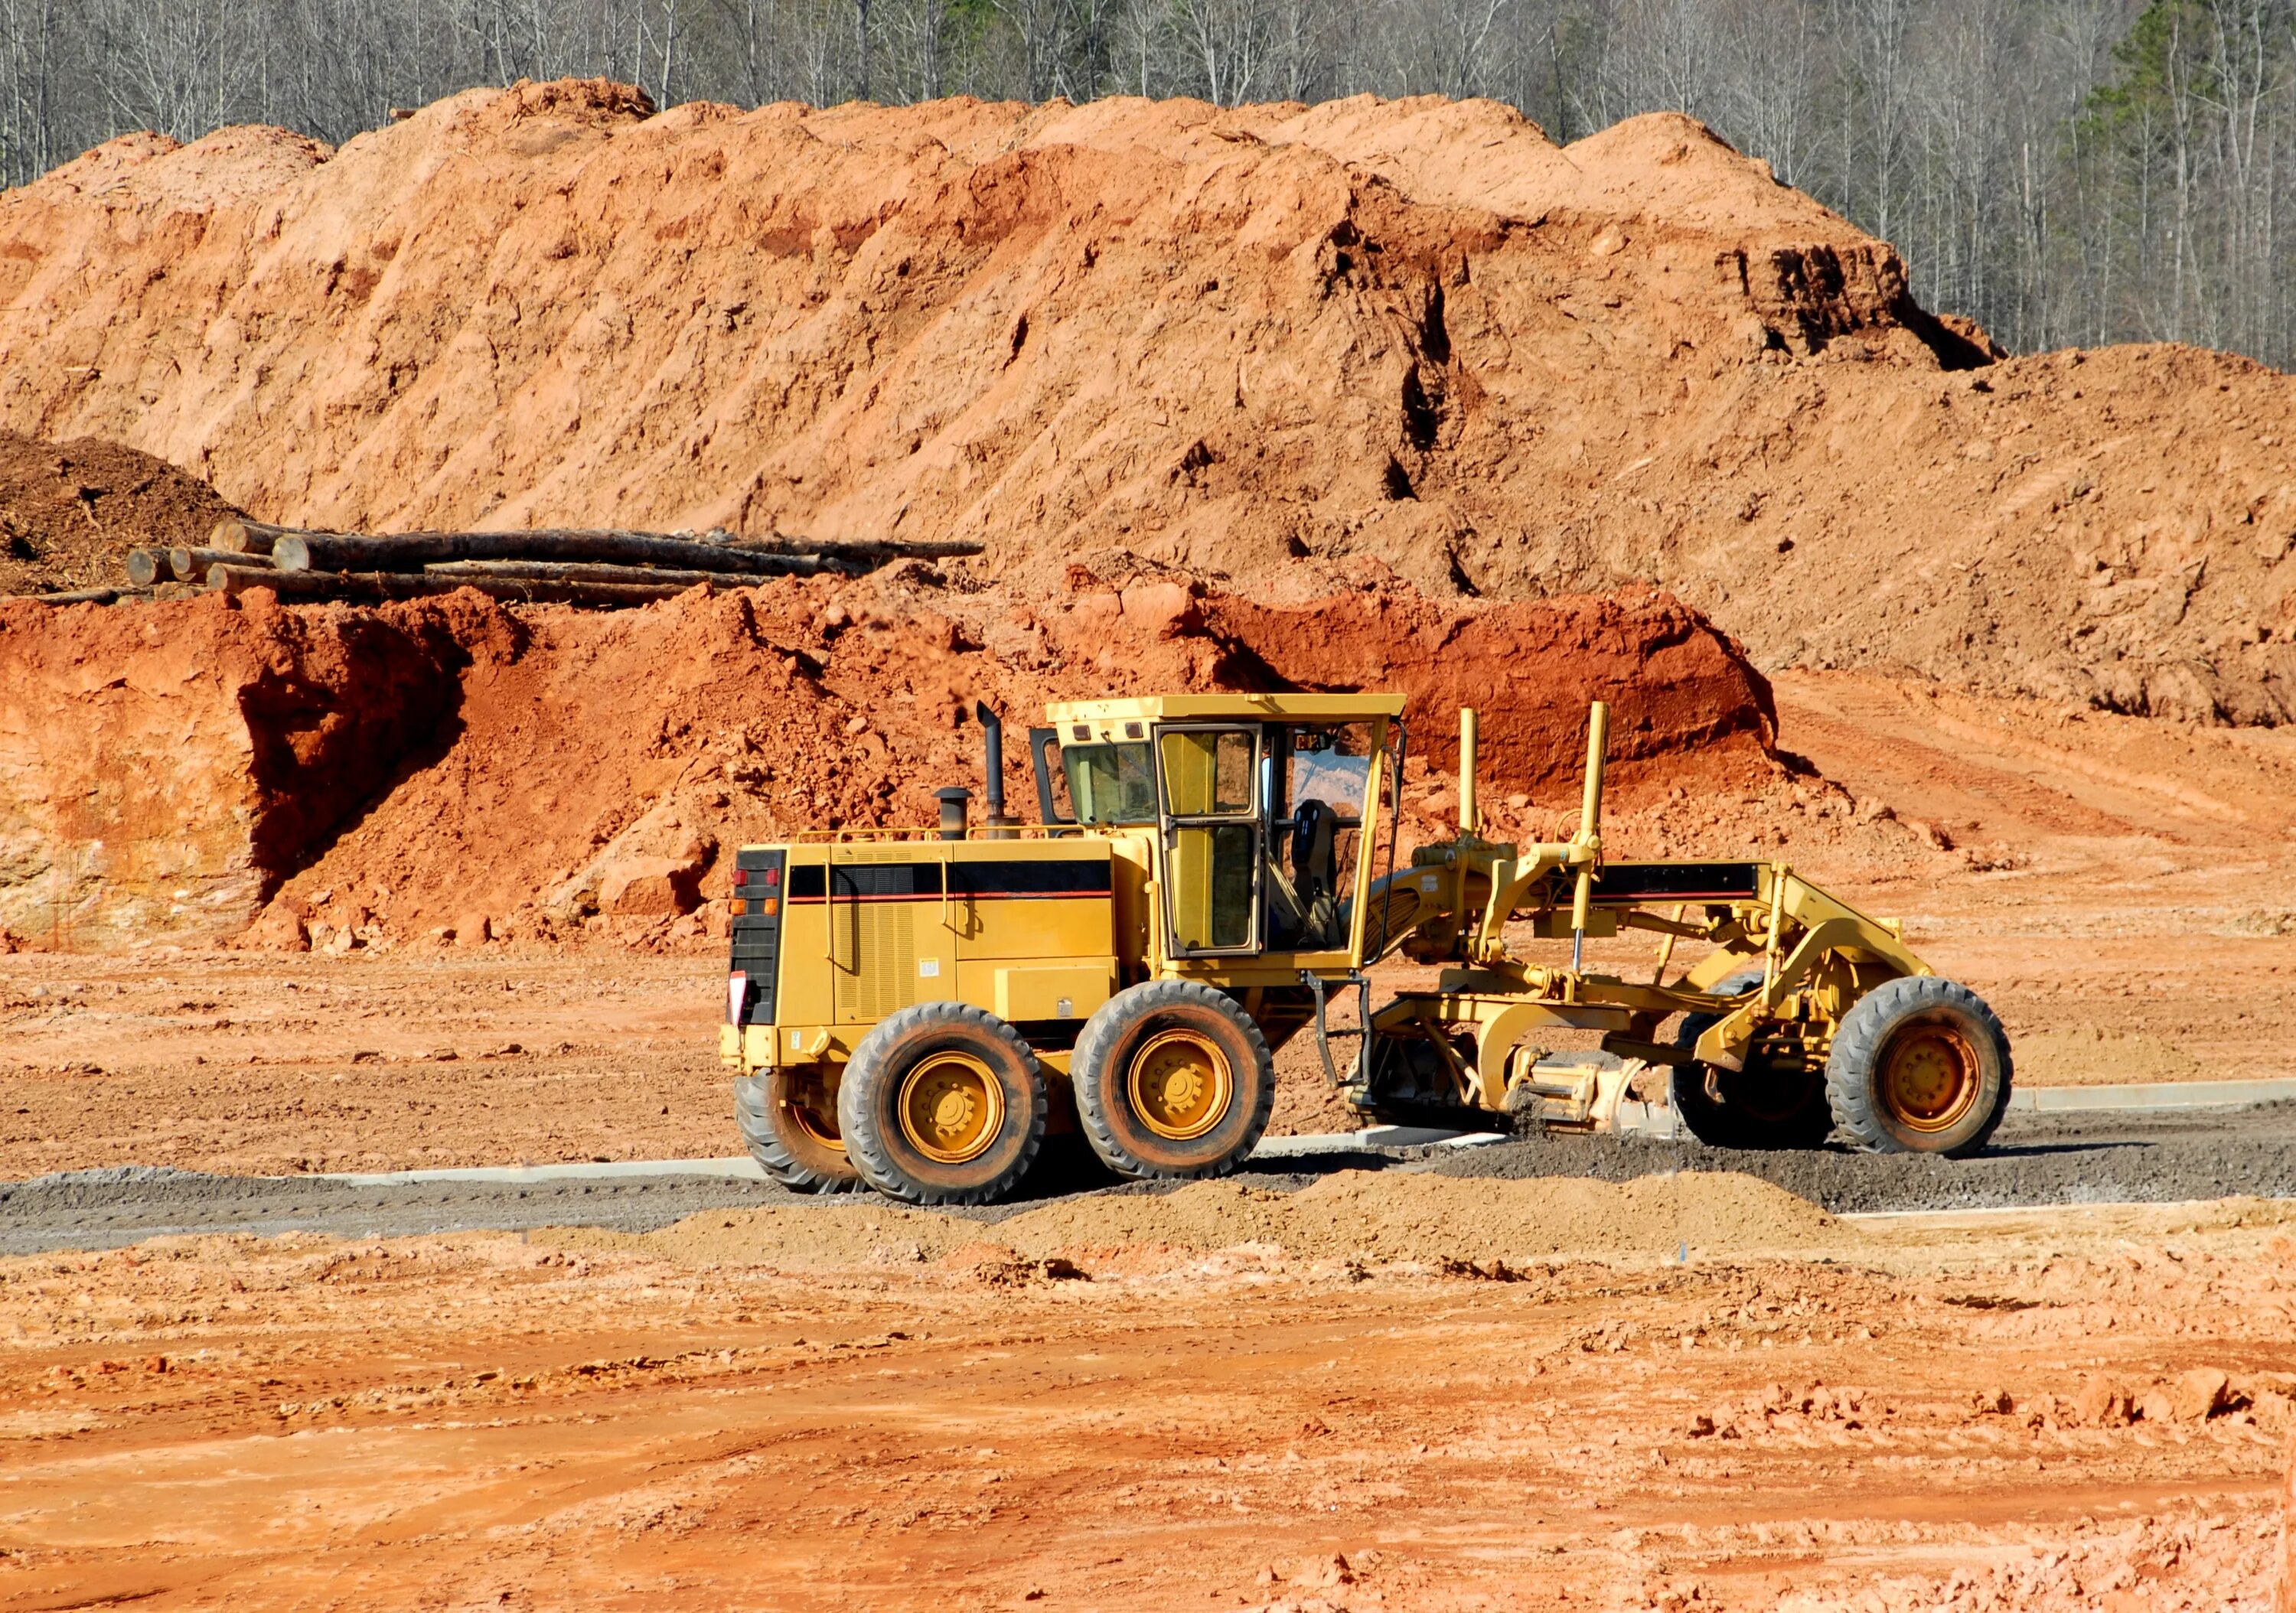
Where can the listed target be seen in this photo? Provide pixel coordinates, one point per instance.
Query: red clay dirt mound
(166, 768)
(69, 511)
(1249, 343)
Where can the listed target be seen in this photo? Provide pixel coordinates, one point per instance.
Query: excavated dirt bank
(1250, 343)
(165, 769)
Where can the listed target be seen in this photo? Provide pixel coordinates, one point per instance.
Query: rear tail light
(773, 876)
(740, 878)
(769, 906)
(737, 997)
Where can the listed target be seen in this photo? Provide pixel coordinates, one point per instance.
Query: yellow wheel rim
(1930, 1078)
(951, 1108)
(1180, 1085)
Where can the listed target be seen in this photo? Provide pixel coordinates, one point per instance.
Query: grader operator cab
(916, 1010)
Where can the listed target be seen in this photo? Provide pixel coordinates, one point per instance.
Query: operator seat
(1316, 870)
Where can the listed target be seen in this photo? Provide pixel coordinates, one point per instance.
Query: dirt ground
(1527, 1394)
(1909, 1412)
(2120, 889)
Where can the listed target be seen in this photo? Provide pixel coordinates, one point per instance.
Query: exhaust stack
(1000, 825)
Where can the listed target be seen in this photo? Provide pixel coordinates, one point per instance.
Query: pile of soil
(1390, 1217)
(69, 511)
(1252, 343)
(165, 770)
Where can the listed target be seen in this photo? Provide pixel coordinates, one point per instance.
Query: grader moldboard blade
(920, 1011)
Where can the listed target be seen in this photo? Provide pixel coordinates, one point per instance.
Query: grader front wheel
(1920, 1066)
(1754, 1107)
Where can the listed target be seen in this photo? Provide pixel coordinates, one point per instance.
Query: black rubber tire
(787, 1153)
(1853, 1072)
(1805, 1124)
(1104, 1108)
(867, 1102)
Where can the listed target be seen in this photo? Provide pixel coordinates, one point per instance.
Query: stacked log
(601, 569)
(191, 565)
(90, 596)
(372, 587)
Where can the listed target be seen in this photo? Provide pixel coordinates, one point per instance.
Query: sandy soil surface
(2120, 890)
(2027, 1412)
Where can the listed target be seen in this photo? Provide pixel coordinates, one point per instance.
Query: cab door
(1213, 829)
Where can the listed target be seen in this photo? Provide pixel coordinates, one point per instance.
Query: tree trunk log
(89, 596)
(412, 551)
(372, 587)
(146, 566)
(191, 565)
(237, 535)
(566, 571)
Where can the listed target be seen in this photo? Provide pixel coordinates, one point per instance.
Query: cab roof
(1232, 708)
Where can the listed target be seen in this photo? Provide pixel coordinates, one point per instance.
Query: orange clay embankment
(166, 769)
(1250, 344)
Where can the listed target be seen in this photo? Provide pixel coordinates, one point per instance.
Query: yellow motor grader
(915, 1011)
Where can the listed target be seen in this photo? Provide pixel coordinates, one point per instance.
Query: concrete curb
(2189, 1206)
(2155, 1094)
(602, 1170)
(743, 1167)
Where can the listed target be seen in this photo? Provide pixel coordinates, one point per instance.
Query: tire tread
(1849, 1090)
(865, 1148)
(1132, 1004)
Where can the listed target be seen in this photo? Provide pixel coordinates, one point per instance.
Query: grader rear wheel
(943, 1103)
(951, 1107)
(1172, 1079)
(1180, 1084)
(1920, 1065)
(792, 1132)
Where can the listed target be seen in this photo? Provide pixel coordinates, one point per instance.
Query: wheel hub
(951, 1108)
(1929, 1077)
(1181, 1084)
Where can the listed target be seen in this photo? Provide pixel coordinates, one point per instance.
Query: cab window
(1208, 772)
(1110, 783)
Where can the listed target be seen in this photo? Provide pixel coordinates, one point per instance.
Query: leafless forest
(2065, 171)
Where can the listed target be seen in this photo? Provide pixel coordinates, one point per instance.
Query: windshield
(1332, 766)
(1110, 783)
